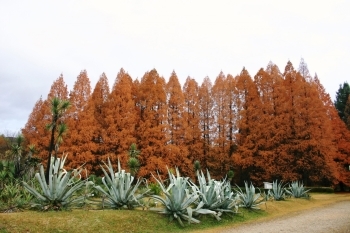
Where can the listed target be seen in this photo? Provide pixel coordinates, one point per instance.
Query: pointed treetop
(304, 71)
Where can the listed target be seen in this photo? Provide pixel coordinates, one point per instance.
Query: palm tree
(58, 108)
(133, 162)
(16, 152)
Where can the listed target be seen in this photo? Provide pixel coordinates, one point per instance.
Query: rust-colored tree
(206, 123)
(80, 124)
(220, 159)
(307, 143)
(151, 130)
(247, 158)
(192, 136)
(176, 150)
(120, 118)
(272, 123)
(98, 100)
(341, 139)
(35, 130)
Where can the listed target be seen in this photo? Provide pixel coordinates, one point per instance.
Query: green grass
(82, 220)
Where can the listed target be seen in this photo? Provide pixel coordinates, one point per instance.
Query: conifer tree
(341, 139)
(176, 150)
(307, 143)
(99, 98)
(341, 100)
(247, 157)
(191, 120)
(206, 117)
(79, 137)
(120, 118)
(35, 131)
(221, 110)
(152, 126)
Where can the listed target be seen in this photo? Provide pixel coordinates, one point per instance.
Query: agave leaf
(41, 178)
(57, 193)
(33, 191)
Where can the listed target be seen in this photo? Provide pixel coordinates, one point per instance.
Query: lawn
(82, 220)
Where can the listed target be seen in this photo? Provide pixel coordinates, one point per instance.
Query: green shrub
(155, 188)
(321, 189)
(13, 197)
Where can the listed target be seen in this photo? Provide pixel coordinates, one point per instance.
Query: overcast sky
(39, 40)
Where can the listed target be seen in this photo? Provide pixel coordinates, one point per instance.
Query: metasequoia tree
(80, 124)
(35, 131)
(152, 127)
(176, 150)
(206, 117)
(307, 143)
(220, 159)
(247, 158)
(192, 134)
(340, 136)
(231, 118)
(120, 118)
(304, 71)
(273, 108)
(98, 100)
(265, 84)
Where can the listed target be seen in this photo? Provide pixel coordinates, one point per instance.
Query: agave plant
(120, 190)
(249, 199)
(278, 191)
(60, 191)
(216, 195)
(14, 198)
(180, 197)
(297, 190)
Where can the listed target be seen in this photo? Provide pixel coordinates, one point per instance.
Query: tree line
(269, 126)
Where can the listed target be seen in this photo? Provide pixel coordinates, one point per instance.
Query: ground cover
(89, 220)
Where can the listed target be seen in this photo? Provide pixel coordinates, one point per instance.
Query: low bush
(321, 189)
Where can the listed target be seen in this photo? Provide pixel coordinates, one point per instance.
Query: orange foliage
(275, 126)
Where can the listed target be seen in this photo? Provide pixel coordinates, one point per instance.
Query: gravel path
(333, 218)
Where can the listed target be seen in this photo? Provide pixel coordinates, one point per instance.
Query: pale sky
(39, 40)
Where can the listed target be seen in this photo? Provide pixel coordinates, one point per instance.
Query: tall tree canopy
(271, 126)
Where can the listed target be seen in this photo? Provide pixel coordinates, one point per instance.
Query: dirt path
(332, 218)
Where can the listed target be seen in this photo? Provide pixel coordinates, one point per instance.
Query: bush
(13, 197)
(155, 188)
(321, 189)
